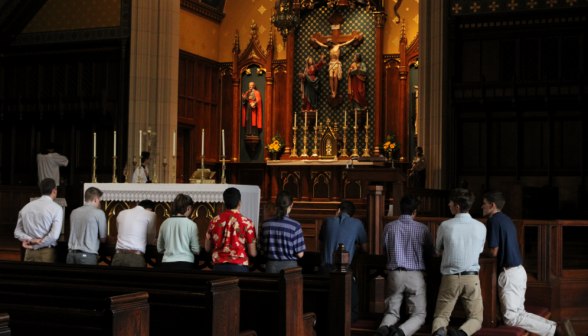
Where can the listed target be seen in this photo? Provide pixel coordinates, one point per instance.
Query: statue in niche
(252, 116)
(357, 75)
(309, 84)
(335, 68)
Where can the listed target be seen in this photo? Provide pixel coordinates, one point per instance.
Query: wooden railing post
(291, 282)
(340, 305)
(223, 295)
(128, 314)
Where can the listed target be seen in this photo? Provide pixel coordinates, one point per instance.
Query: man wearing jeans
(407, 243)
(460, 240)
(88, 230)
(512, 281)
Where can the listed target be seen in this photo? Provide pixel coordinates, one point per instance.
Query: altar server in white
(143, 169)
(48, 163)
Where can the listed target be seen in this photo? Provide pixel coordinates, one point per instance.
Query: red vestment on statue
(256, 115)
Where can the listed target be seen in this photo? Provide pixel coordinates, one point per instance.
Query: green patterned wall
(317, 21)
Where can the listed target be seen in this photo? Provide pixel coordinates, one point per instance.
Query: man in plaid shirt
(407, 243)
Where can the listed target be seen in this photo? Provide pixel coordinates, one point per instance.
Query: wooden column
(340, 294)
(380, 21)
(375, 200)
(236, 101)
(287, 120)
(269, 94)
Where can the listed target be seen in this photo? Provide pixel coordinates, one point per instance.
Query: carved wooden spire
(403, 31)
(236, 49)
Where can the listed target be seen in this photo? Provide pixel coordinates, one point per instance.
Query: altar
(208, 201)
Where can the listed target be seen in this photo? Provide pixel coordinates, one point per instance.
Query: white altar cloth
(164, 192)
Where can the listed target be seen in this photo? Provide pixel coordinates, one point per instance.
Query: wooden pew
(178, 301)
(4, 324)
(119, 316)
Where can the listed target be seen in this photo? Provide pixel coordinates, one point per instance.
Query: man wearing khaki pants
(460, 240)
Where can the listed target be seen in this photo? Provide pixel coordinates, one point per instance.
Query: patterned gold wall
(409, 10)
(59, 15)
(199, 36)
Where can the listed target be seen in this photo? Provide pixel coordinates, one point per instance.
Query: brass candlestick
(355, 152)
(164, 167)
(366, 151)
(223, 177)
(305, 150)
(94, 180)
(202, 174)
(173, 169)
(344, 149)
(139, 179)
(294, 151)
(316, 131)
(126, 175)
(114, 179)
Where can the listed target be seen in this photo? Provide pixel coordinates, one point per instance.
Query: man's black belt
(466, 273)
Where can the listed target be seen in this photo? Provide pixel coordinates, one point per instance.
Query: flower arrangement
(277, 145)
(390, 145)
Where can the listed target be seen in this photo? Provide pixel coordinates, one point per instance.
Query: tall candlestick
(203, 142)
(174, 151)
(223, 132)
(114, 143)
(140, 142)
(94, 144)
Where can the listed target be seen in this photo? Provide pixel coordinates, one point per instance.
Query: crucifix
(333, 43)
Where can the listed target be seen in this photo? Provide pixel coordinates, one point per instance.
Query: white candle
(203, 142)
(345, 118)
(94, 144)
(367, 118)
(355, 117)
(305, 116)
(316, 120)
(140, 143)
(174, 151)
(294, 119)
(223, 132)
(114, 143)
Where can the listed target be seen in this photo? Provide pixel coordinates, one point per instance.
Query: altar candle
(140, 137)
(367, 118)
(114, 143)
(174, 151)
(203, 142)
(223, 132)
(305, 116)
(316, 120)
(294, 119)
(345, 117)
(356, 118)
(94, 144)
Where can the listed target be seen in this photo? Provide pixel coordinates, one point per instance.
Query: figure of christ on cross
(335, 68)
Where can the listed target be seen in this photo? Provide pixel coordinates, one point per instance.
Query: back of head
(495, 197)
(181, 204)
(283, 202)
(47, 186)
(347, 207)
(49, 148)
(147, 204)
(92, 193)
(145, 156)
(463, 198)
(408, 204)
(232, 197)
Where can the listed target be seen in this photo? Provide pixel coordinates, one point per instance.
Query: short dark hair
(47, 186)
(347, 207)
(283, 202)
(147, 204)
(181, 204)
(408, 204)
(495, 197)
(232, 197)
(144, 156)
(92, 193)
(463, 198)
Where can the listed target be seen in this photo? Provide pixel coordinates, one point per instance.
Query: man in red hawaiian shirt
(231, 236)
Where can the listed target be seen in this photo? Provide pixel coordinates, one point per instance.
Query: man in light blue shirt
(460, 240)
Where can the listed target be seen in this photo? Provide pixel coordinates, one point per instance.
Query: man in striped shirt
(281, 237)
(407, 243)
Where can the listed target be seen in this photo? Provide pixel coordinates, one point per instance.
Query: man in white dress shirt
(460, 240)
(39, 225)
(136, 228)
(143, 169)
(48, 163)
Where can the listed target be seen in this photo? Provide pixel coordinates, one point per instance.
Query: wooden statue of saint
(309, 84)
(357, 75)
(252, 116)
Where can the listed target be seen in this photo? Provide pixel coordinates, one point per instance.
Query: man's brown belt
(130, 252)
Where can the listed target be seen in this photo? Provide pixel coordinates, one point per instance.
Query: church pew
(118, 316)
(4, 324)
(177, 302)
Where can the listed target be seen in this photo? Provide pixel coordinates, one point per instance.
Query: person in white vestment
(143, 169)
(48, 163)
